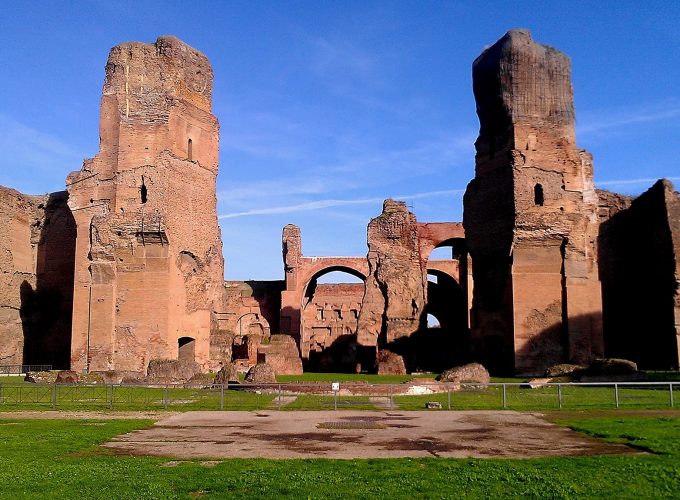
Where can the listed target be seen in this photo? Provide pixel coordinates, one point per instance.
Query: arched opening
(432, 321)
(538, 195)
(442, 253)
(442, 339)
(186, 349)
(143, 192)
(190, 150)
(328, 324)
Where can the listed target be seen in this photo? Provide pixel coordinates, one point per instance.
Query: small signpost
(335, 387)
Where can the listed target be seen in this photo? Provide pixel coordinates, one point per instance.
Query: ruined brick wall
(17, 261)
(328, 319)
(37, 243)
(259, 300)
(531, 213)
(640, 272)
(396, 285)
(149, 265)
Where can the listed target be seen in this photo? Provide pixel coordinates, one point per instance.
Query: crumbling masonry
(148, 264)
(126, 265)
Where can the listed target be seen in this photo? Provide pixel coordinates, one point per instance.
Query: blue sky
(326, 108)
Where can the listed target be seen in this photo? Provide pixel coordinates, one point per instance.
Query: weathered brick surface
(531, 213)
(149, 266)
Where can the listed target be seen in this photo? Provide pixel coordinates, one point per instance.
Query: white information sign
(335, 386)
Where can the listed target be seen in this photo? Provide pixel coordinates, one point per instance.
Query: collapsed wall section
(149, 266)
(531, 214)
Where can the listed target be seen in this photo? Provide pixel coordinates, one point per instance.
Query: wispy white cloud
(369, 169)
(328, 203)
(257, 190)
(34, 161)
(624, 182)
(662, 111)
(32, 145)
(341, 56)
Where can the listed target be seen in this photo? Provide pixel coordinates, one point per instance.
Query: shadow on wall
(268, 297)
(637, 268)
(46, 311)
(551, 346)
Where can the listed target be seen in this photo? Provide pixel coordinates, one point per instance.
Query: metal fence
(23, 369)
(320, 396)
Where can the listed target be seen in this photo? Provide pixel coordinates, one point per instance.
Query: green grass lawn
(60, 459)
(545, 398)
(27, 396)
(125, 398)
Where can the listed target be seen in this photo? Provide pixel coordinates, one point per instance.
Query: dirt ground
(359, 434)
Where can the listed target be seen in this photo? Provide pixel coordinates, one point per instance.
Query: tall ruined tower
(531, 213)
(149, 266)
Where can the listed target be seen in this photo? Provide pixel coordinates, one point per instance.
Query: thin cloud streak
(330, 203)
(322, 204)
(648, 180)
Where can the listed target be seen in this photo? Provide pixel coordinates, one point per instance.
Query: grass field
(25, 396)
(60, 459)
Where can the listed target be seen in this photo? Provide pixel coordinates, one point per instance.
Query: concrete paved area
(359, 434)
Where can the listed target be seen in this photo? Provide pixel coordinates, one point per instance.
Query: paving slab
(359, 434)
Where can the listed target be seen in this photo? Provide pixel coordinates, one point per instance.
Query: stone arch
(310, 283)
(329, 317)
(447, 302)
(438, 234)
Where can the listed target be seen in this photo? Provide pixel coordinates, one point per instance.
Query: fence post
(111, 398)
(616, 394)
(391, 392)
(279, 405)
(670, 393)
(448, 395)
(559, 396)
(54, 396)
(2, 400)
(221, 396)
(505, 397)
(165, 397)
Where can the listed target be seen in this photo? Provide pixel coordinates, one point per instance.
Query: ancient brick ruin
(531, 213)
(148, 265)
(126, 266)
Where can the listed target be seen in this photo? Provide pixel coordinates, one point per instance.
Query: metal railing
(23, 369)
(320, 396)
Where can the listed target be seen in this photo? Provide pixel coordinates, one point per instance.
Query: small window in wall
(190, 150)
(538, 195)
(187, 349)
(143, 193)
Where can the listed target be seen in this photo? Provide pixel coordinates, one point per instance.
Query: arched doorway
(444, 338)
(186, 349)
(330, 311)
